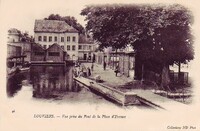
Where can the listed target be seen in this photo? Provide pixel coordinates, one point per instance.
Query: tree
(70, 20)
(24, 37)
(169, 37)
(160, 35)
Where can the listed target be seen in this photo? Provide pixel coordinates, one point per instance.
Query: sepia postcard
(103, 65)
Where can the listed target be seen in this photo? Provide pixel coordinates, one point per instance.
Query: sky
(21, 14)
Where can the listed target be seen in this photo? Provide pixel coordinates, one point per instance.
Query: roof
(84, 40)
(55, 44)
(38, 45)
(53, 26)
(13, 31)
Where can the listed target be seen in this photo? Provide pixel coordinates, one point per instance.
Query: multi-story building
(17, 51)
(49, 32)
(14, 49)
(86, 49)
(15, 41)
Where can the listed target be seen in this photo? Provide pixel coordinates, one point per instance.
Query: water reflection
(51, 82)
(47, 81)
(14, 83)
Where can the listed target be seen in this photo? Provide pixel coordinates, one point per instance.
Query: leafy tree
(24, 37)
(69, 20)
(160, 35)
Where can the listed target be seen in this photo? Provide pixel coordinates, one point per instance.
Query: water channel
(52, 83)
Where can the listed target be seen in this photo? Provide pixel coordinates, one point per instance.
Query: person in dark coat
(104, 65)
(89, 71)
(92, 67)
(117, 70)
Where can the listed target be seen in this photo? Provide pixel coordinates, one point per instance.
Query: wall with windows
(13, 50)
(86, 51)
(13, 38)
(67, 41)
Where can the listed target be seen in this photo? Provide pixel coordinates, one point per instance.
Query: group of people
(81, 70)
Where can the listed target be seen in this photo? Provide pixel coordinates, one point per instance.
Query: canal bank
(117, 84)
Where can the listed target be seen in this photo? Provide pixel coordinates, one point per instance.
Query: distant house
(13, 35)
(86, 49)
(14, 39)
(49, 32)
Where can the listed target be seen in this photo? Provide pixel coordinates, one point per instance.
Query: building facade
(38, 53)
(49, 32)
(54, 53)
(14, 39)
(86, 49)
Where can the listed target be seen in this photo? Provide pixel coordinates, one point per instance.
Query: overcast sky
(21, 14)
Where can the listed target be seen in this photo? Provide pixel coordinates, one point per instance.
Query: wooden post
(179, 71)
(142, 74)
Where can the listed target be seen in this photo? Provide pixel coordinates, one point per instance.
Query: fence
(181, 78)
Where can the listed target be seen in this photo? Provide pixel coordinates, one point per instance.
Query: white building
(13, 35)
(48, 32)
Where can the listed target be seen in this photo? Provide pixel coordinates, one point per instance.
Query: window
(62, 39)
(79, 47)
(84, 47)
(44, 46)
(50, 38)
(54, 53)
(39, 53)
(73, 47)
(45, 38)
(55, 38)
(68, 38)
(62, 46)
(90, 47)
(74, 39)
(68, 47)
(39, 38)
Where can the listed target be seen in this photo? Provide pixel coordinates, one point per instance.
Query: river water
(52, 84)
